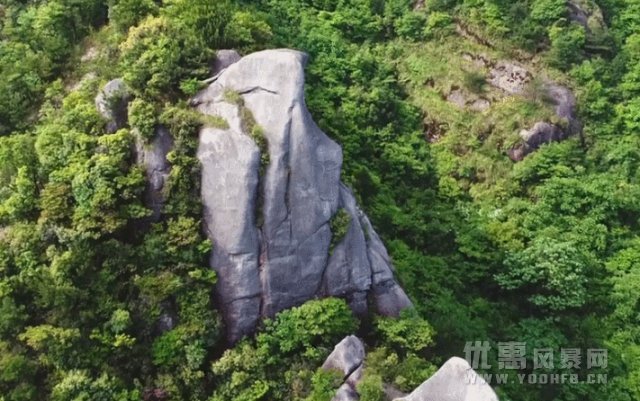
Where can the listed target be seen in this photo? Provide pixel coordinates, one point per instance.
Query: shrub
(157, 55)
(339, 224)
(143, 117)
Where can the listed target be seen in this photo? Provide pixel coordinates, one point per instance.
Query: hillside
(190, 212)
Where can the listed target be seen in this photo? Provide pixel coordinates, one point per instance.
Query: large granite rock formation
(270, 188)
(454, 381)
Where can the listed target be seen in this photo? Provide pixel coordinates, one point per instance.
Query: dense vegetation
(546, 250)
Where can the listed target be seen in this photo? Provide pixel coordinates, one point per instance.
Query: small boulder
(346, 357)
(112, 102)
(454, 381)
(457, 97)
(224, 58)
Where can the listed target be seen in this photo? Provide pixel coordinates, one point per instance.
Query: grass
(472, 153)
(214, 121)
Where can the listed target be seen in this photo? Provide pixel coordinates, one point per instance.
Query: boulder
(454, 381)
(347, 356)
(542, 132)
(224, 58)
(270, 188)
(112, 102)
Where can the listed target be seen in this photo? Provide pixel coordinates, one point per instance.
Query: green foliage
(475, 82)
(307, 326)
(247, 30)
(272, 366)
(124, 14)
(94, 189)
(548, 12)
(324, 385)
(157, 55)
(339, 225)
(143, 117)
(566, 45)
(370, 388)
(77, 385)
(411, 25)
(408, 333)
(438, 25)
(99, 303)
(556, 271)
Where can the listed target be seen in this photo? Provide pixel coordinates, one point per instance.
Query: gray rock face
(112, 102)
(510, 77)
(454, 381)
(269, 223)
(224, 58)
(153, 157)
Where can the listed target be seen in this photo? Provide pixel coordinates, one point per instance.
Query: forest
(543, 250)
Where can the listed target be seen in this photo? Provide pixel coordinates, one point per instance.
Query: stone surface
(510, 77)
(480, 104)
(153, 158)
(457, 97)
(542, 132)
(224, 58)
(271, 230)
(346, 357)
(391, 392)
(453, 382)
(112, 102)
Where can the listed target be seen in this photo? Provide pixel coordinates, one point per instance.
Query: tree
(566, 45)
(552, 274)
(157, 55)
(124, 14)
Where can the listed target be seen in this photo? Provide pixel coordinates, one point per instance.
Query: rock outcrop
(270, 189)
(454, 381)
(510, 77)
(564, 104)
(514, 79)
(112, 103)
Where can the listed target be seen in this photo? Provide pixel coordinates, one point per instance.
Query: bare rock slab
(454, 381)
